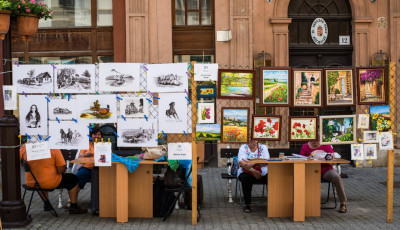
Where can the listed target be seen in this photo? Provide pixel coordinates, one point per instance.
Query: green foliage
(5, 5)
(35, 7)
(316, 83)
(299, 90)
(337, 91)
(317, 98)
(278, 94)
(347, 137)
(303, 78)
(297, 95)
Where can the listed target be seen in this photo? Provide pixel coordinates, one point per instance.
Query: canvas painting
(10, 97)
(33, 115)
(275, 86)
(371, 137)
(77, 78)
(380, 117)
(119, 77)
(363, 121)
(386, 141)
(357, 152)
(97, 108)
(167, 77)
(172, 112)
(236, 84)
(303, 128)
(63, 109)
(307, 87)
(339, 129)
(339, 87)
(208, 132)
(205, 72)
(33, 78)
(372, 86)
(68, 135)
(137, 133)
(134, 107)
(266, 128)
(206, 91)
(235, 125)
(370, 152)
(205, 112)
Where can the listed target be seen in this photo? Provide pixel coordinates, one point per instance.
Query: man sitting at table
(50, 173)
(250, 173)
(327, 171)
(85, 172)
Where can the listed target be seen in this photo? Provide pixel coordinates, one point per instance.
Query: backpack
(235, 166)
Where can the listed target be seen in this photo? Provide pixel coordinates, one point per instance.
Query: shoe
(46, 208)
(77, 210)
(246, 209)
(343, 208)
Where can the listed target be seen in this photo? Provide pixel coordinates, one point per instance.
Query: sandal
(343, 208)
(246, 209)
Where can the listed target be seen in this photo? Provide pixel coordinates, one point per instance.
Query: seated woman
(250, 173)
(327, 171)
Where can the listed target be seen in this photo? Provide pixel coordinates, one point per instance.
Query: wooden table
(123, 194)
(294, 187)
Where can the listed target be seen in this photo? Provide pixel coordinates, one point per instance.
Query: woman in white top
(250, 173)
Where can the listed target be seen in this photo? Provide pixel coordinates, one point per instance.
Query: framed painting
(307, 90)
(206, 91)
(337, 129)
(339, 87)
(380, 117)
(371, 136)
(357, 152)
(236, 84)
(235, 125)
(208, 132)
(275, 86)
(205, 112)
(372, 85)
(370, 152)
(386, 141)
(303, 128)
(266, 128)
(363, 121)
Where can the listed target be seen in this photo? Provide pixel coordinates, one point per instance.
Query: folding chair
(36, 188)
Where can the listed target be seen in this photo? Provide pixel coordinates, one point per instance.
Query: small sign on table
(37, 151)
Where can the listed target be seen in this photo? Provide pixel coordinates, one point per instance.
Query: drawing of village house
(36, 80)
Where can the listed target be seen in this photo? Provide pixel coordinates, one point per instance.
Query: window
(104, 13)
(196, 58)
(193, 12)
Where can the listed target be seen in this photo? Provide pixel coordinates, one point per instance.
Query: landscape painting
(236, 84)
(33, 115)
(208, 132)
(275, 86)
(338, 129)
(372, 85)
(63, 109)
(97, 108)
(119, 77)
(167, 77)
(172, 112)
(339, 87)
(134, 107)
(137, 133)
(380, 117)
(307, 87)
(33, 78)
(235, 125)
(68, 135)
(77, 78)
(303, 128)
(266, 128)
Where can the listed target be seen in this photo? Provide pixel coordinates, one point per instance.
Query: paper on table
(102, 154)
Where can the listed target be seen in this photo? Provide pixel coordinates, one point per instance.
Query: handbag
(154, 153)
(256, 167)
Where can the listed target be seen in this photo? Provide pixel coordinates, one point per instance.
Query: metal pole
(12, 207)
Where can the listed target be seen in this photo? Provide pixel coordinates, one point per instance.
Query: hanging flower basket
(27, 26)
(4, 23)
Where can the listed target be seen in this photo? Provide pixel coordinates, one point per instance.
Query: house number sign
(319, 31)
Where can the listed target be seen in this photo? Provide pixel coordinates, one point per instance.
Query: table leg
(299, 202)
(122, 190)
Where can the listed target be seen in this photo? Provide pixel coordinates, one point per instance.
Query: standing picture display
(303, 128)
(137, 133)
(63, 109)
(97, 108)
(33, 114)
(77, 78)
(134, 107)
(205, 112)
(33, 78)
(172, 112)
(337, 129)
(339, 87)
(275, 86)
(236, 84)
(307, 90)
(68, 135)
(167, 77)
(266, 128)
(380, 117)
(235, 125)
(119, 77)
(372, 85)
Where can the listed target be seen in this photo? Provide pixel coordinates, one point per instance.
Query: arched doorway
(303, 52)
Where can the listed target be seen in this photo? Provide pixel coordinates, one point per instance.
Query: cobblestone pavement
(366, 209)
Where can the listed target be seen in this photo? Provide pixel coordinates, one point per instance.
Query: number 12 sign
(344, 40)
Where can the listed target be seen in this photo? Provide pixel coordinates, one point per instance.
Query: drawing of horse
(171, 111)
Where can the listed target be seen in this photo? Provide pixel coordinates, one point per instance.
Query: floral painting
(338, 129)
(339, 87)
(371, 85)
(236, 84)
(205, 113)
(307, 87)
(206, 91)
(386, 141)
(208, 132)
(266, 128)
(380, 117)
(303, 128)
(235, 123)
(275, 86)
(370, 136)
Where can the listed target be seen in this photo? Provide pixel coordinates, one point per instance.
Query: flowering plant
(25, 7)
(5, 5)
(371, 75)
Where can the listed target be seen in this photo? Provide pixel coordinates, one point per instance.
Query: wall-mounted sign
(344, 40)
(319, 31)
